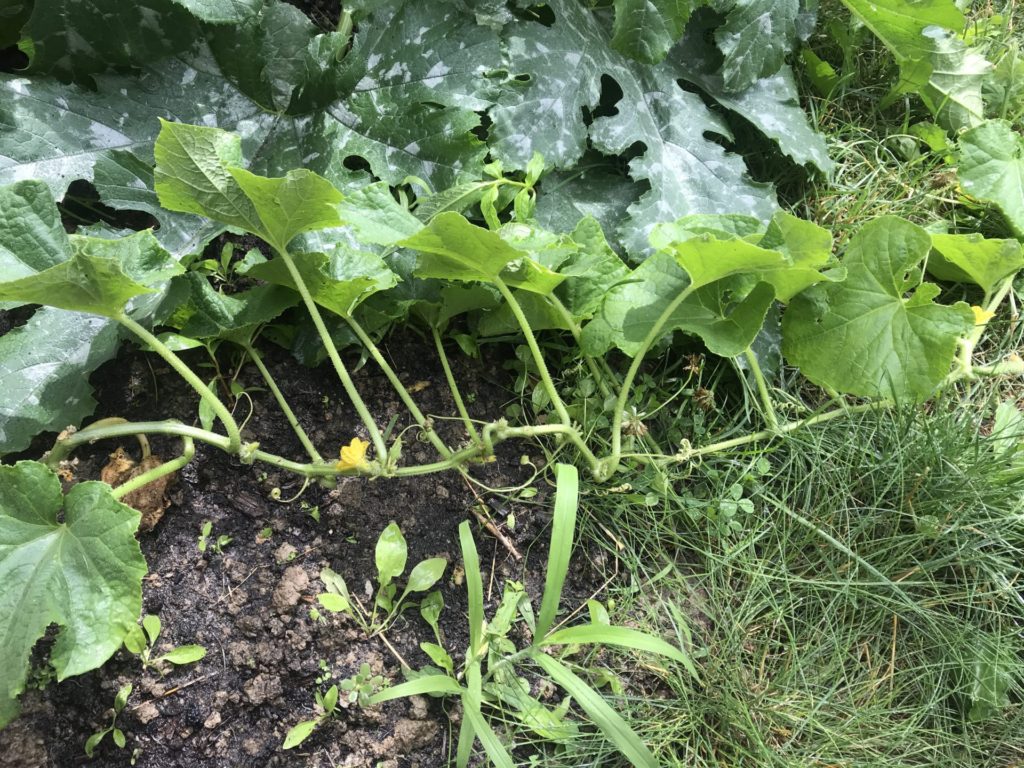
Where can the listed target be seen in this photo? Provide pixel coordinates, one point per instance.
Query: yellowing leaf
(353, 455)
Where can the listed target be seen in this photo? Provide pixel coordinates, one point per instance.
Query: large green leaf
(646, 29)
(453, 249)
(32, 237)
(287, 206)
(74, 39)
(724, 316)
(991, 168)
(44, 373)
(878, 333)
(57, 133)
(974, 259)
(901, 26)
(125, 182)
(600, 189)
(687, 172)
(591, 271)
(559, 70)
(221, 11)
(45, 364)
(953, 91)
(71, 561)
(755, 38)
(280, 59)
(214, 315)
(707, 260)
(338, 280)
(729, 283)
(416, 77)
(100, 277)
(771, 104)
(192, 175)
(376, 217)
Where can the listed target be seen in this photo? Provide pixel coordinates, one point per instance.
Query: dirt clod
(263, 688)
(289, 591)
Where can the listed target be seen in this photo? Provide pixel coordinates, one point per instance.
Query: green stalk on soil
(453, 387)
(332, 352)
(403, 393)
(234, 436)
(289, 414)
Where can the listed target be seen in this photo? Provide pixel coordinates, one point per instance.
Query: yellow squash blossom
(353, 455)
(981, 316)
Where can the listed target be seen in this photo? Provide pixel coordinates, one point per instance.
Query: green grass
(843, 625)
(848, 618)
(881, 168)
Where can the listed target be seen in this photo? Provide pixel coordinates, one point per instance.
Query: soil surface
(249, 604)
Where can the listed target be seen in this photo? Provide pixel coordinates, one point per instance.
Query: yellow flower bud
(353, 455)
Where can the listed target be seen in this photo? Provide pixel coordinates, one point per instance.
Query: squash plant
(420, 97)
(868, 325)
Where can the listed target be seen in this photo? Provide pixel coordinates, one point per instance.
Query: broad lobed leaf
(82, 571)
(878, 333)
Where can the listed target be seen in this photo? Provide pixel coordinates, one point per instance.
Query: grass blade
(615, 729)
(466, 738)
(563, 528)
(429, 684)
(474, 588)
(624, 637)
(492, 744)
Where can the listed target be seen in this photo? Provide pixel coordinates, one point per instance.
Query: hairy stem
(612, 462)
(576, 331)
(399, 387)
(538, 358)
(454, 387)
(783, 429)
(762, 389)
(300, 433)
(234, 436)
(332, 352)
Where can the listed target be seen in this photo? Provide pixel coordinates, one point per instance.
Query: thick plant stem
(454, 387)
(762, 389)
(104, 430)
(538, 358)
(332, 352)
(230, 425)
(990, 304)
(783, 429)
(399, 387)
(188, 450)
(498, 432)
(283, 404)
(612, 461)
(576, 331)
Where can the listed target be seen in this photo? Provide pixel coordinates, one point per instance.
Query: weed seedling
(391, 555)
(488, 680)
(116, 734)
(215, 545)
(141, 641)
(361, 686)
(326, 703)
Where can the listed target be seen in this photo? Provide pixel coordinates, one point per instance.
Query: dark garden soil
(249, 605)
